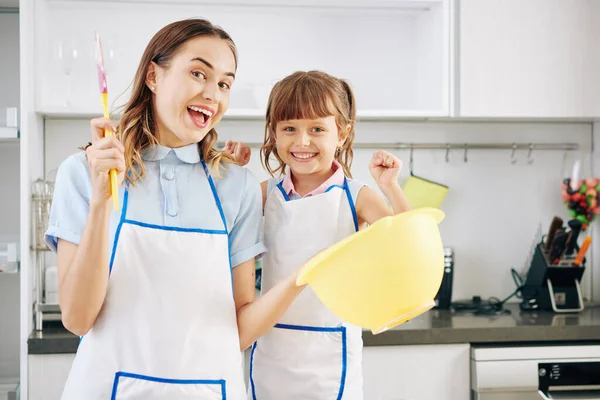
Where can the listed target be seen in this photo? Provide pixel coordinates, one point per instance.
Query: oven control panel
(565, 374)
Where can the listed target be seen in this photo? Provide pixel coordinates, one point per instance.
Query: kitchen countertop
(54, 339)
(433, 327)
(445, 327)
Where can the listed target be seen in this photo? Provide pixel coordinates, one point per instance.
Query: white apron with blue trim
(310, 354)
(167, 329)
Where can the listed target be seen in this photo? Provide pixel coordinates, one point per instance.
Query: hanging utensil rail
(462, 146)
(450, 146)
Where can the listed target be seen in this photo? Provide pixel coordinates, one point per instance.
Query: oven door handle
(544, 396)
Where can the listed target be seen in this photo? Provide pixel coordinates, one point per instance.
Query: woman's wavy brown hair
(136, 129)
(309, 95)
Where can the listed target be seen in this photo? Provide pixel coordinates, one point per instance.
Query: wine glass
(110, 53)
(68, 54)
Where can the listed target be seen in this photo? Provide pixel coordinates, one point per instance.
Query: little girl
(311, 353)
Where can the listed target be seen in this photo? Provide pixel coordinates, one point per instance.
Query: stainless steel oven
(567, 372)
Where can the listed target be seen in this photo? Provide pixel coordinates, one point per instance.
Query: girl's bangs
(302, 100)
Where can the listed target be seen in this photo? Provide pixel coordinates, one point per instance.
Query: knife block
(553, 287)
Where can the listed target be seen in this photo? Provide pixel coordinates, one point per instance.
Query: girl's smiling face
(309, 123)
(308, 146)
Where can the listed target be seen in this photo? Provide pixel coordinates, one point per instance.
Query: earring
(152, 88)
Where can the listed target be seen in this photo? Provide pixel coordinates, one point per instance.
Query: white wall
(9, 192)
(9, 62)
(493, 208)
(9, 97)
(9, 189)
(9, 325)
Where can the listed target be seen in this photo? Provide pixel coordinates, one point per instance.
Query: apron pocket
(128, 386)
(299, 362)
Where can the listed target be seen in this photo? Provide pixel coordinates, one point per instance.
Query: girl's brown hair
(309, 95)
(136, 128)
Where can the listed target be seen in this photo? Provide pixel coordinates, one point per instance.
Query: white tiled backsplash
(493, 208)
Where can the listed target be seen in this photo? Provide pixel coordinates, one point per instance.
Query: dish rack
(41, 200)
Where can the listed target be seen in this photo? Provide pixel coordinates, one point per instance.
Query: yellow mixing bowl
(384, 275)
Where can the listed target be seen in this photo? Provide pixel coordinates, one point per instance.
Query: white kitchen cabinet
(534, 58)
(424, 372)
(48, 374)
(394, 53)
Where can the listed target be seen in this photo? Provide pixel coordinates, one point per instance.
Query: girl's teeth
(304, 156)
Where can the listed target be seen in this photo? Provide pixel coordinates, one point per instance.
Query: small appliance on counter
(556, 269)
(443, 299)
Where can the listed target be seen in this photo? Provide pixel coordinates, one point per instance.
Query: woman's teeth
(200, 110)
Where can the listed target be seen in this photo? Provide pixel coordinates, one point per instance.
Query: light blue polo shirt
(174, 192)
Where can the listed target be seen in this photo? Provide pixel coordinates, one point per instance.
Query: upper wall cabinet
(534, 58)
(395, 53)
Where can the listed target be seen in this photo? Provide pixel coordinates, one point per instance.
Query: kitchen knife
(555, 225)
(582, 251)
(575, 226)
(558, 246)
